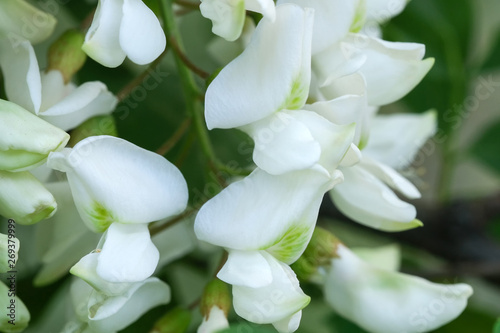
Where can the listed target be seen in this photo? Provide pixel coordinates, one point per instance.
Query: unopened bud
(66, 55)
(99, 125)
(8, 254)
(321, 250)
(24, 199)
(216, 293)
(174, 321)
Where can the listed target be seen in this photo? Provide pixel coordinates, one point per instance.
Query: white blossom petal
(246, 268)
(239, 95)
(264, 7)
(290, 324)
(274, 303)
(113, 180)
(286, 206)
(110, 314)
(383, 10)
(141, 35)
(216, 321)
(365, 199)
(383, 301)
(21, 74)
(128, 254)
(102, 40)
(412, 131)
(228, 17)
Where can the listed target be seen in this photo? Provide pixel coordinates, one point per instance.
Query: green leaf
(496, 328)
(486, 148)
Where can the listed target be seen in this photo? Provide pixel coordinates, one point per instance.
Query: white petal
(24, 199)
(332, 20)
(110, 314)
(352, 156)
(290, 324)
(354, 84)
(239, 95)
(128, 254)
(367, 200)
(216, 321)
(264, 7)
(387, 257)
(88, 100)
(21, 74)
(412, 131)
(246, 268)
(53, 89)
(391, 177)
(273, 303)
(383, 10)
(85, 269)
(228, 17)
(7, 241)
(102, 40)
(391, 69)
(286, 206)
(389, 302)
(283, 144)
(19, 20)
(113, 180)
(141, 35)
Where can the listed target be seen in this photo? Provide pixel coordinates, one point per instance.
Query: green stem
(191, 90)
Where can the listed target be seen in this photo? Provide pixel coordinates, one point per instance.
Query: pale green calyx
(66, 54)
(25, 139)
(176, 320)
(216, 293)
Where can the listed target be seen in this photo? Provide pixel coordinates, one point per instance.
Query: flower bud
(25, 139)
(8, 242)
(216, 293)
(66, 55)
(319, 252)
(13, 310)
(174, 321)
(24, 199)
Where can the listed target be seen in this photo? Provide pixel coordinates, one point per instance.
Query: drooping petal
(88, 100)
(246, 268)
(141, 35)
(332, 20)
(391, 69)
(110, 314)
(412, 131)
(387, 257)
(128, 254)
(289, 324)
(391, 177)
(228, 17)
(367, 200)
(286, 206)
(19, 20)
(382, 10)
(21, 74)
(283, 144)
(240, 95)
(26, 140)
(383, 301)
(102, 42)
(113, 180)
(24, 199)
(274, 303)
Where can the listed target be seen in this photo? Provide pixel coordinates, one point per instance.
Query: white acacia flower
(19, 21)
(120, 188)
(384, 301)
(228, 16)
(124, 28)
(45, 94)
(367, 194)
(286, 137)
(26, 140)
(24, 199)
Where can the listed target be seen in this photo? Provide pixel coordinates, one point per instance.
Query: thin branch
(155, 229)
(195, 69)
(172, 141)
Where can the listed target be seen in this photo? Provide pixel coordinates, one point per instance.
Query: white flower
(124, 28)
(215, 321)
(366, 195)
(228, 16)
(26, 140)
(383, 301)
(286, 138)
(17, 22)
(24, 199)
(46, 94)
